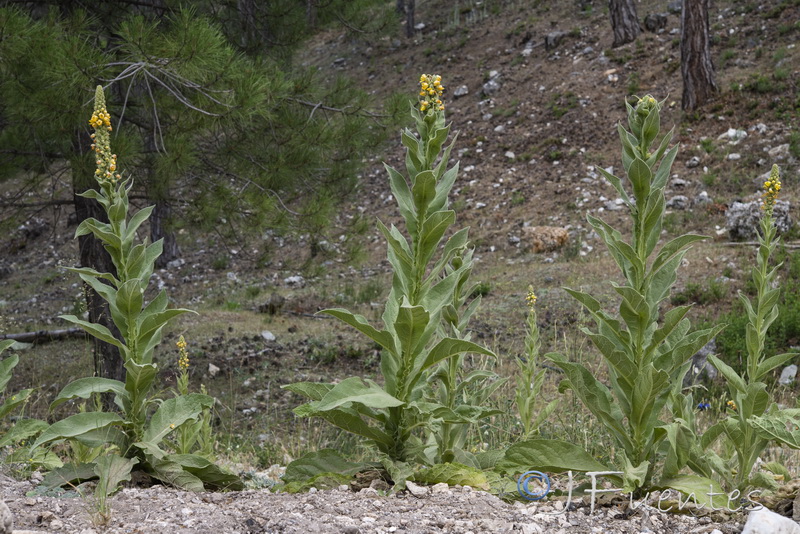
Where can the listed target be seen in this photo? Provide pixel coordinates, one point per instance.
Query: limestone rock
(544, 238)
(766, 522)
(742, 218)
(655, 22)
(6, 519)
(788, 375)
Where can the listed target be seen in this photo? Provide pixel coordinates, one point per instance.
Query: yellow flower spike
(771, 188)
(530, 298)
(430, 93)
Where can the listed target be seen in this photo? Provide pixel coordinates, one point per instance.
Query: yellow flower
(172, 425)
(431, 91)
(771, 189)
(101, 122)
(183, 355)
(731, 405)
(530, 298)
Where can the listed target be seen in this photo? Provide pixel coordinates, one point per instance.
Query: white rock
(461, 90)
(296, 281)
(6, 519)
(213, 370)
(268, 336)
(416, 490)
(788, 375)
(779, 152)
(733, 156)
(510, 155)
(734, 135)
(766, 522)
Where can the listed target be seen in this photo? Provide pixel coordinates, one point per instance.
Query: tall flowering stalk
(647, 353)
(753, 421)
(136, 432)
(422, 294)
(531, 377)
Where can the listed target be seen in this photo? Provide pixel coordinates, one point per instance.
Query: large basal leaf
(84, 388)
(548, 455)
(76, 425)
(323, 461)
(704, 491)
(69, 475)
(452, 474)
(112, 471)
(173, 474)
(212, 475)
(173, 413)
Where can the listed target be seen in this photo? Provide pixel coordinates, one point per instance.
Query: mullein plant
(459, 389)
(531, 377)
(647, 352)
(193, 436)
(394, 415)
(753, 421)
(132, 436)
(24, 428)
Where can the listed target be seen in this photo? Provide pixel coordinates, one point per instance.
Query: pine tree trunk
(159, 229)
(624, 21)
(699, 85)
(410, 5)
(401, 6)
(311, 14)
(107, 360)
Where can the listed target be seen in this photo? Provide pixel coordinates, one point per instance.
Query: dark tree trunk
(409, 9)
(624, 21)
(159, 229)
(311, 14)
(107, 360)
(699, 85)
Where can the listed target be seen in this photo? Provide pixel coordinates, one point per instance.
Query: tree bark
(697, 70)
(107, 360)
(311, 14)
(409, 7)
(159, 229)
(624, 21)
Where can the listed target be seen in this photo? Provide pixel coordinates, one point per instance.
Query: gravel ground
(158, 510)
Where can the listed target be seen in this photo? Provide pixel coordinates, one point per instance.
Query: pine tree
(697, 70)
(245, 140)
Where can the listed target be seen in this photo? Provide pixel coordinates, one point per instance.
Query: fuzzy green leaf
(99, 331)
(112, 470)
(172, 413)
(84, 388)
(548, 455)
(76, 425)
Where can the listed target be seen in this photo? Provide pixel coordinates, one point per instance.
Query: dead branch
(44, 336)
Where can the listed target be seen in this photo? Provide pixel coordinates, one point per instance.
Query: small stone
(510, 155)
(553, 39)
(213, 370)
(491, 87)
(734, 156)
(295, 281)
(441, 487)
(268, 336)
(678, 202)
(779, 152)
(788, 375)
(416, 490)
(461, 90)
(764, 521)
(56, 524)
(702, 198)
(693, 162)
(6, 519)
